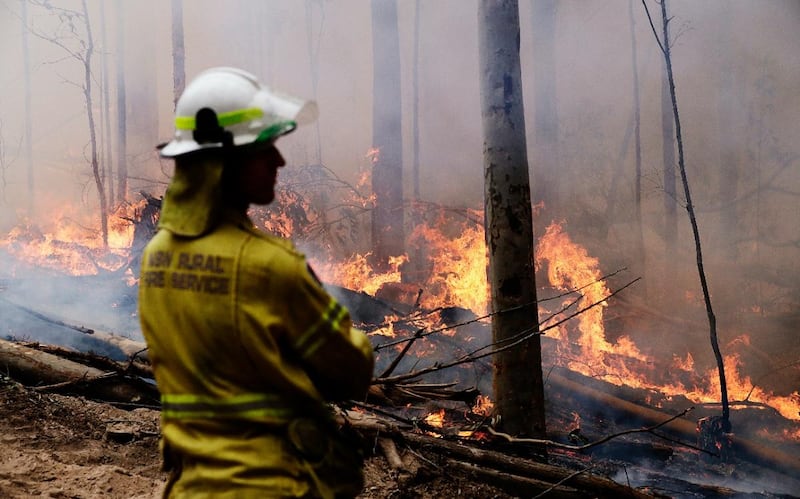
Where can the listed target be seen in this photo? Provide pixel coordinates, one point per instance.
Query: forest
(387, 192)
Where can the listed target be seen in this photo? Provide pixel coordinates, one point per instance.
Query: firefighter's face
(259, 174)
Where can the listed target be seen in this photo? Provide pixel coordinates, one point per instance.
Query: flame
(373, 155)
(455, 274)
(450, 258)
(71, 244)
(483, 406)
(436, 419)
(569, 267)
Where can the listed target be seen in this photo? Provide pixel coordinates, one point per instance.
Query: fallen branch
(50, 372)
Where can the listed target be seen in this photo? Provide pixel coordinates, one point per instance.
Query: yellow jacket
(243, 341)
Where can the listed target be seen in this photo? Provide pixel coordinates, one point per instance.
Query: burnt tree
(664, 45)
(518, 387)
(178, 51)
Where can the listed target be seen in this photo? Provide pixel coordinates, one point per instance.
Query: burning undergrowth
(427, 314)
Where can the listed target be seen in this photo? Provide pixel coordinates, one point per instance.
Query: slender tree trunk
(670, 184)
(313, 60)
(141, 80)
(546, 158)
(122, 117)
(28, 114)
(105, 115)
(415, 104)
(414, 271)
(87, 92)
(178, 52)
(728, 101)
(641, 256)
(712, 321)
(518, 386)
(387, 174)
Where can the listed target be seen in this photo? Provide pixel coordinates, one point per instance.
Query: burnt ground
(68, 447)
(64, 446)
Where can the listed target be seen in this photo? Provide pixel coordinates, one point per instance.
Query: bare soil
(68, 447)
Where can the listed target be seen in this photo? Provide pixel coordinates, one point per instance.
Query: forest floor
(67, 447)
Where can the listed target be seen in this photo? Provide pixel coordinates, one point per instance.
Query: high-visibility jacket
(244, 340)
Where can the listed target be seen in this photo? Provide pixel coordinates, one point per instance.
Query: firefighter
(247, 347)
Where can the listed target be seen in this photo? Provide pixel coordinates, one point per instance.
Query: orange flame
(570, 267)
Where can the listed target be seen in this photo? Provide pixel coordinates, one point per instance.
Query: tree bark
(49, 372)
(641, 255)
(518, 387)
(87, 93)
(178, 52)
(122, 115)
(28, 113)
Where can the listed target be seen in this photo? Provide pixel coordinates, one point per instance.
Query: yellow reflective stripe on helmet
(251, 405)
(310, 341)
(224, 119)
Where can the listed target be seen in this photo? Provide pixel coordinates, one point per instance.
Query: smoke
(736, 67)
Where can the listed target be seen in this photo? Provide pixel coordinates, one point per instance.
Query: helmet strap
(208, 131)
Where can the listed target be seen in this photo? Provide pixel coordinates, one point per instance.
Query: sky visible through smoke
(737, 64)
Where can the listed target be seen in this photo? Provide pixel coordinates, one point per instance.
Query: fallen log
(742, 448)
(519, 486)
(48, 372)
(508, 471)
(104, 341)
(510, 466)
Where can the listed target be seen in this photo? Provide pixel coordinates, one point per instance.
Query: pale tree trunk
(313, 45)
(670, 190)
(387, 174)
(105, 115)
(415, 103)
(518, 387)
(87, 92)
(28, 115)
(141, 93)
(178, 51)
(641, 256)
(122, 115)
(729, 100)
(546, 158)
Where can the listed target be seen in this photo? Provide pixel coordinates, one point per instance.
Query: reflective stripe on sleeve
(246, 406)
(310, 341)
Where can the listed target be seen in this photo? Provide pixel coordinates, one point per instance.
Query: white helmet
(228, 106)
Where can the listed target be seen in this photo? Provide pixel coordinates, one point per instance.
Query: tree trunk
(712, 320)
(518, 387)
(729, 99)
(122, 115)
(105, 115)
(178, 52)
(640, 265)
(28, 114)
(141, 88)
(670, 186)
(546, 164)
(387, 174)
(87, 93)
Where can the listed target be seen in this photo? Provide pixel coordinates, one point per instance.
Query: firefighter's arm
(339, 358)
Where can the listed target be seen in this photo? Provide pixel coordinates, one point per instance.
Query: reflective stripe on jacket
(243, 339)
